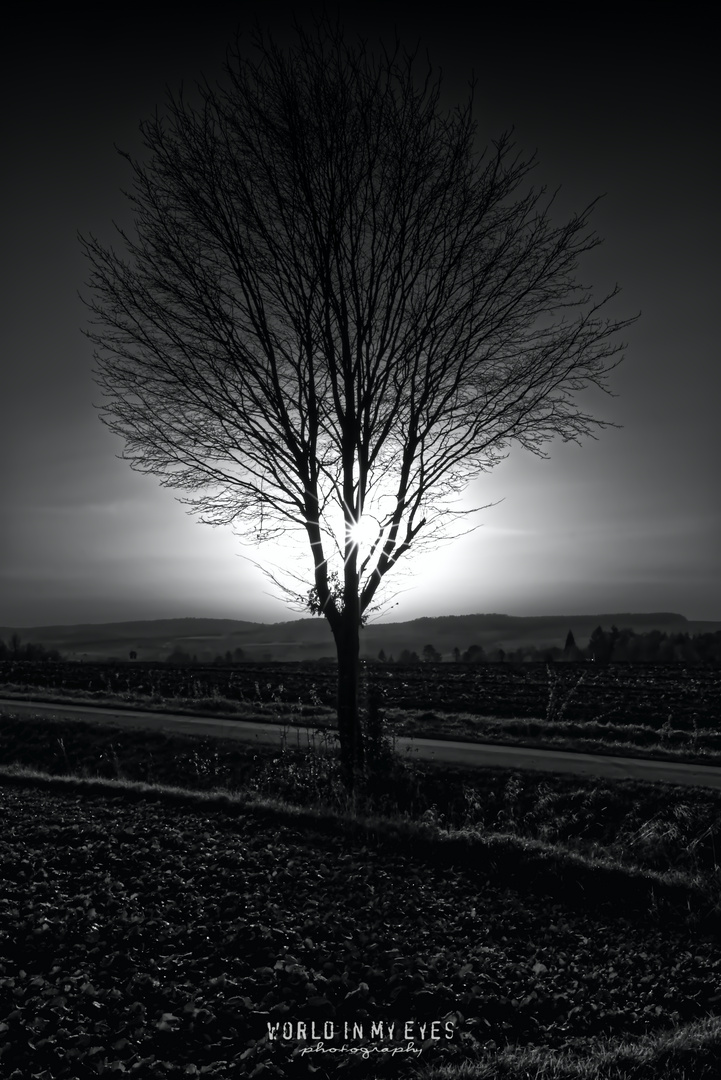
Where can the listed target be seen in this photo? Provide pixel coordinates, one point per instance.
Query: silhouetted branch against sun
(336, 309)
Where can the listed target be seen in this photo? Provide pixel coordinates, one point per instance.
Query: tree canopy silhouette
(335, 309)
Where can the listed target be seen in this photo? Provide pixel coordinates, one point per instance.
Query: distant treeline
(15, 650)
(604, 646)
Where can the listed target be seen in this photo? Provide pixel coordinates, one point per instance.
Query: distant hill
(310, 639)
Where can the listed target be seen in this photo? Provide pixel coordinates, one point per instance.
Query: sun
(363, 532)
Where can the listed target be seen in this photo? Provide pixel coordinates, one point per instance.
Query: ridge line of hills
(310, 638)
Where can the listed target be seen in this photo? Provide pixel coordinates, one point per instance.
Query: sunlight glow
(363, 533)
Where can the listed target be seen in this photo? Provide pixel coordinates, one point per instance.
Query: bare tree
(334, 311)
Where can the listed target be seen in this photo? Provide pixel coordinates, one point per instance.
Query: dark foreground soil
(148, 939)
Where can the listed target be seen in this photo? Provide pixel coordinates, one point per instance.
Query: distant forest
(15, 650)
(604, 647)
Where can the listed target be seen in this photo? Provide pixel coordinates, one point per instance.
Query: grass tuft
(689, 1052)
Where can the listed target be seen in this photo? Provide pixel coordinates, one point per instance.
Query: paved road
(453, 753)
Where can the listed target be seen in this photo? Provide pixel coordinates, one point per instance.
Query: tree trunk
(347, 640)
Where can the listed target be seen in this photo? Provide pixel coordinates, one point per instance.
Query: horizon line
(309, 618)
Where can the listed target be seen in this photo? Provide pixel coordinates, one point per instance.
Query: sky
(629, 522)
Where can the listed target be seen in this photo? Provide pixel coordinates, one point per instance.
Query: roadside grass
(268, 712)
(672, 835)
(595, 736)
(589, 736)
(521, 862)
